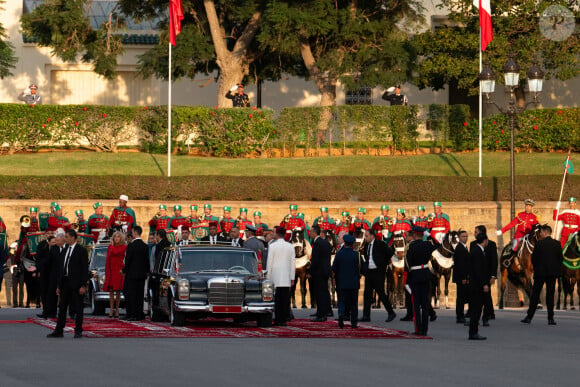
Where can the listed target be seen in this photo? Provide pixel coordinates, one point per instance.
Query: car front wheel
(97, 309)
(264, 320)
(176, 317)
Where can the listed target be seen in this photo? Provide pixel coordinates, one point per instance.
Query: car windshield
(99, 258)
(238, 261)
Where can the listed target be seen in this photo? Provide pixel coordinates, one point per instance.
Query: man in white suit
(281, 270)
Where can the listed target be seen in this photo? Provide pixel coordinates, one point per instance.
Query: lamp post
(511, 72)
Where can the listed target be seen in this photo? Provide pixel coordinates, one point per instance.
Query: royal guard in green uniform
(324, 221)
(242, 222)
(160, 221)
(439, 223)
(82, 224)
(177, 219)
(292, 222)
(28, 224)
(226, 221)
(98, 223)
(400, 226)
(193, 218)
(421, 220)
(56, 220)
(122, 218)
(382, 224)
(344, 223)
(261, 228)
(360, 221)
(306, 228)
(208, 217)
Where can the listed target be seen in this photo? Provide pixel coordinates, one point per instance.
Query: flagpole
(169, 118)
(480, 108)
(554, 231)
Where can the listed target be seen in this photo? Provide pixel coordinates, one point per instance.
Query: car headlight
(101, 281)
(183, 289)
(267, 290)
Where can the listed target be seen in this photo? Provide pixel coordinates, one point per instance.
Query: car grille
(226, 293)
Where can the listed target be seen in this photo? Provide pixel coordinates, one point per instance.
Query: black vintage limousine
(215, 281)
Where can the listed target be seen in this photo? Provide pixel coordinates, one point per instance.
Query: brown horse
(441, 264)
(395, 271)
(303, 251)
(517, 266)
(570, 272)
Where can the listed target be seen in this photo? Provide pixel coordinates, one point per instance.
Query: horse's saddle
(444, 262)
(397, 262)
(302, 262)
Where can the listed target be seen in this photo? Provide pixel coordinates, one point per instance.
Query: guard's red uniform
(242, 226)
(260, 228)
(159, 223)
(98, 224)
(378, 228)
(226, 224)
(421, 221)
(325, 223)
(399, 227)
(357, 223)
(122, 216)
(571, 220)
(439, 225)
(293, 223)
(56, 222)
(341, 226)
(206, 219)
(524, 223)
(177, 221)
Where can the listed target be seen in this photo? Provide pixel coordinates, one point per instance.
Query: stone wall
(463, 215)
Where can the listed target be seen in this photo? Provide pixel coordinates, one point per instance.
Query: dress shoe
(318, 319)
(407, 318)
(433, 317)
(279, 324)
(54, 334)
(527, 320)
(551, 322)
(78, 336)
(391, 317)
(477, 336)
(364, 319)
(340, 323)
(485, 323)
(314, 315)
(42, 315)
(460, 321)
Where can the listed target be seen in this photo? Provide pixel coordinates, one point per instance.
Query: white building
(76, 83)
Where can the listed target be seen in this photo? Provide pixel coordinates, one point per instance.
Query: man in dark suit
(43, 265)
(347, 278)
(419, 277)
(72, 284)
(479, 279)
(234, 238)
(136, 270)
(460, 274)
(374, 268)
(547, 262)
(320, 272)
(213, 238)
(491, 256)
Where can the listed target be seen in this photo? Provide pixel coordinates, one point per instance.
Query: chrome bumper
(192, 306)
(104, 296)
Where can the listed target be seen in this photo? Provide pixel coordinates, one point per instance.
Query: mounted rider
(25, 227)
(177, 219)
(421, 220)
(400, 225)
(324, 221)
(570, 219)
(524, 221)
(360, 221)
(160, 221)
(98, 224)
(226, 221)
(56, 220)
(382, 224)
(122, 218)
(306, 233)
(292, 222)
(343, 224)
(439, 223)
(261, 228)
(242, 222)
(208, 217)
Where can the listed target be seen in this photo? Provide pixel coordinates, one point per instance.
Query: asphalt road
(514, 355)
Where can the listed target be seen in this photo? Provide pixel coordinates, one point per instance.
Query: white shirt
(212, 240)
(372, 264)
(67, 258)
(281, 263)
(236, 242)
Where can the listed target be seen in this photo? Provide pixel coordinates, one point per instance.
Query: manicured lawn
(454, 164)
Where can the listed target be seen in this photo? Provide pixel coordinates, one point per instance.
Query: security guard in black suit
(419, 277)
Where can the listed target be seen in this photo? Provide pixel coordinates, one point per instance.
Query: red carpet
(105, 327)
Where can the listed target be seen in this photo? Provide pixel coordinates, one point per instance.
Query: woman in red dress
(114, 272)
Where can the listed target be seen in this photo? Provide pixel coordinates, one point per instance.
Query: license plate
(227, 309)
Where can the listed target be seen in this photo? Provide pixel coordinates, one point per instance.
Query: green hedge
(239, 132)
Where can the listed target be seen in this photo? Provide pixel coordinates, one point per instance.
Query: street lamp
(511, 72)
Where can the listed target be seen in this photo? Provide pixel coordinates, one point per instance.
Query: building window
(361, 96)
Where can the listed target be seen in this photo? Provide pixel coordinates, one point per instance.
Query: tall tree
(356, 42)
(7, 58)
(450, 54)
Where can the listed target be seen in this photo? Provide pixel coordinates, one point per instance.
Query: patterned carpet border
(103, 327)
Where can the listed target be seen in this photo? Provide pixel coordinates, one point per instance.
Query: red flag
(484, 7)
(175, 18)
